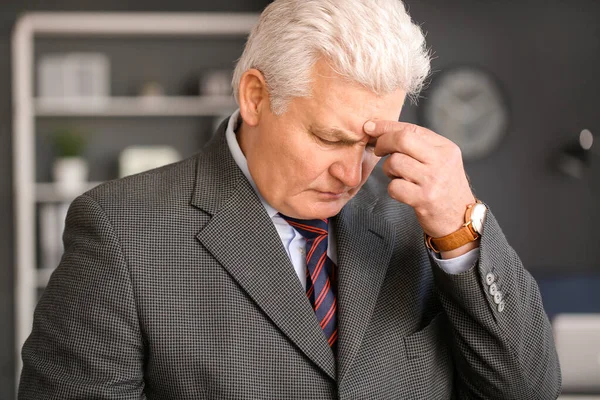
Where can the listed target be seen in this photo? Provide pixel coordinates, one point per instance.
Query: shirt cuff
(458, 264)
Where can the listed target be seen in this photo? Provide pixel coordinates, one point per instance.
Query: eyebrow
(344, 136)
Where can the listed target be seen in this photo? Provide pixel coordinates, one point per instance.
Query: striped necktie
(320, 274)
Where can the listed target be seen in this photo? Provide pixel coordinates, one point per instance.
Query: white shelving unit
(160, 106)
(26, 108)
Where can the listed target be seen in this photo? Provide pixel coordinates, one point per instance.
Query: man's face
(310, 161)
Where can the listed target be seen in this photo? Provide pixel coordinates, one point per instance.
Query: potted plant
(70, 169)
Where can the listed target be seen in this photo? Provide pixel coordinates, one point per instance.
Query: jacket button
(501, 306)
(493, 289)
(490, 278)
(498, 297)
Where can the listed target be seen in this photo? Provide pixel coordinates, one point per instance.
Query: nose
(348, 168)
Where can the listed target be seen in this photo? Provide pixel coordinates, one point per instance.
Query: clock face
(466, 105)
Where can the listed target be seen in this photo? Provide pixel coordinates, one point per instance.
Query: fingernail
(369, 126)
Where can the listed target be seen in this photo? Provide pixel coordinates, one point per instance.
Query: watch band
(459, 238)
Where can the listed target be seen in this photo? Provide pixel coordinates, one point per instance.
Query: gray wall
(545, 53)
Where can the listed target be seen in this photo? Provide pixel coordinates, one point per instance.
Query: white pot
(70, 174)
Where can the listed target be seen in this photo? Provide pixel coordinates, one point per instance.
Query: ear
(253, 96)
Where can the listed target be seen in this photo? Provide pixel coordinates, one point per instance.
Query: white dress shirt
(294, 243)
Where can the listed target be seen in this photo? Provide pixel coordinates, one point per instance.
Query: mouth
(330, 195)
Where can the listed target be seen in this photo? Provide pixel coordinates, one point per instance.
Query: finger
(377, 128)
(405, 192)
(400, 165)
(408, 141)
(381, 127)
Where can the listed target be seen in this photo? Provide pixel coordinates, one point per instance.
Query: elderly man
(271, 265)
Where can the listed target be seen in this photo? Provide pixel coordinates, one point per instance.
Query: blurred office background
(533, 62)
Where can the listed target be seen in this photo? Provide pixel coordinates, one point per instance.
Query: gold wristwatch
(471, 230)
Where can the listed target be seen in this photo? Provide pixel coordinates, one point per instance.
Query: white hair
(371, 42)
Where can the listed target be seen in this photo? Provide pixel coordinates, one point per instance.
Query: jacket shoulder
(172, 182)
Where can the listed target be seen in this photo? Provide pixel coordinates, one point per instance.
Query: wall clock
(467, 105)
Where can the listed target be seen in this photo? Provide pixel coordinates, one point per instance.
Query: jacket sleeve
(502, 344)
(86, 341)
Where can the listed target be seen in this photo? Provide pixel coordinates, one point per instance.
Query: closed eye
(323, 140)
(329, 142)
(369, 146)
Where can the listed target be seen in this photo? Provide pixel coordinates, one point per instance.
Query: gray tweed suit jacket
(175, 285)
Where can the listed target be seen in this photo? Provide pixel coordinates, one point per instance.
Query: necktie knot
(310, 229)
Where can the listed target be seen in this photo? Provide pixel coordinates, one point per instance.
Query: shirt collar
(240, 159)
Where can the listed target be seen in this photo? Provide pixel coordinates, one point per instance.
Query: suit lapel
(242, 237)
(364, 248)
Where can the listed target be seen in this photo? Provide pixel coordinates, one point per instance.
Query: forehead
(338, 103)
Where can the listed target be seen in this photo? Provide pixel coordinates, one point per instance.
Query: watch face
(478, 217)
(466, 105)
